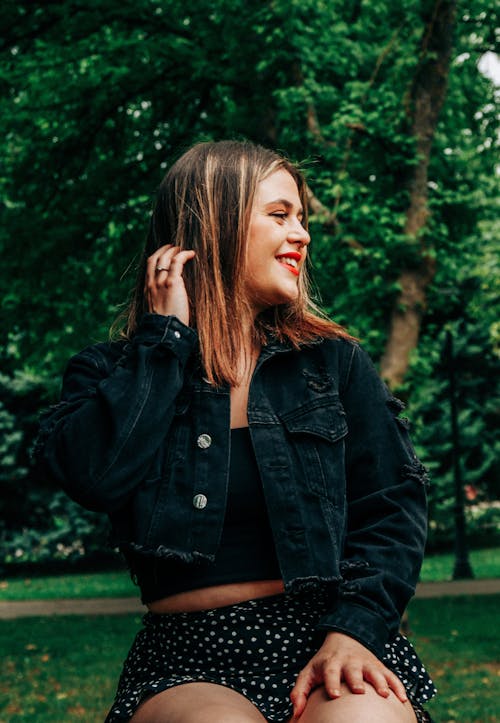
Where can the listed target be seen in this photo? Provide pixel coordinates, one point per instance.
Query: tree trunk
(425, 101)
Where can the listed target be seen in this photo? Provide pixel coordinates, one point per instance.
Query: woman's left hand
(343, 659)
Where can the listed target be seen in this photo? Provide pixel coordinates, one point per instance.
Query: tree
(426, 97)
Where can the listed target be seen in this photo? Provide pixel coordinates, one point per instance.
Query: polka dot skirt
(257, 648)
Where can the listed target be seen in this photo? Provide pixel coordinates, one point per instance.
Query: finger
(153, 259)
(152, 263)
(302, 688)
(376, 677)
(332, 681)
(159, 265)
(396, 686)
(353, 677)
(178, 262)
(162, 261)
(159, 252)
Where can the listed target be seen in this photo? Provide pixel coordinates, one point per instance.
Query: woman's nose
(298, 234)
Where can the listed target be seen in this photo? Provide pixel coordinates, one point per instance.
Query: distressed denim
(141, 435)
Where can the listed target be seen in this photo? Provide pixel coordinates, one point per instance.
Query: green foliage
(21, 396)
(54, 528)
(466, 307)
(37, 523)
(98, 98)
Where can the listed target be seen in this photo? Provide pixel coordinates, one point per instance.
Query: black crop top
(246, 550)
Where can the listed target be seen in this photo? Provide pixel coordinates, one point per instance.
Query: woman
(258, 479)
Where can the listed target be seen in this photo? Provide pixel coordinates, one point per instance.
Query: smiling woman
(225, 203)
(259, 483)
(275, 234)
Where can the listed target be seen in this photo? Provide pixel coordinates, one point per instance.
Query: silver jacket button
(204, 441)
(177, 334)
(200, 502)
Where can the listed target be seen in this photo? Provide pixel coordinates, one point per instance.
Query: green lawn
(99, 584)
(66, 668)
(485, 563)
(61, 669)
(457, 637)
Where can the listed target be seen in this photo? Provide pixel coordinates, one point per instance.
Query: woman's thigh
(368, 707)
(197, 703)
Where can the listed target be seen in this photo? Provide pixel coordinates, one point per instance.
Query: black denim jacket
(141, 435)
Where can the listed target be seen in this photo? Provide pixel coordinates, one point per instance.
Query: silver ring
(160, 268)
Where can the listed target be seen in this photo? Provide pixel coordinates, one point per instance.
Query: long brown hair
(204, 203)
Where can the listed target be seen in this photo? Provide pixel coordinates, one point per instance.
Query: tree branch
(317, 208)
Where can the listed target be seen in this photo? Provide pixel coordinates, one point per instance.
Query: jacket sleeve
(387, 511)
(114, 413)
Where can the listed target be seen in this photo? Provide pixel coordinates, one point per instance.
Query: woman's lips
(291, 261)
(290, 268)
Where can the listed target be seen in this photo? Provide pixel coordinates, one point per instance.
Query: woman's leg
(197, 703)
(368, 707)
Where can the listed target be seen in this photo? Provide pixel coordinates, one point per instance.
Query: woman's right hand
(164, 289)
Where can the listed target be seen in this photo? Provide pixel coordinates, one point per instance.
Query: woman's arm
(387, 511)
(115, 410)
(384, 546)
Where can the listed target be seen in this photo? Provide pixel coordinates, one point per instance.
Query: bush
(39, 524)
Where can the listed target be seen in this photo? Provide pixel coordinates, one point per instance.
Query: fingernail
(336, 692)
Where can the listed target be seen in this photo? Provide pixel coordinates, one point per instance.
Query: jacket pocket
(316, 431)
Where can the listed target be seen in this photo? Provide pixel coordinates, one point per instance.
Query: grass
(61, 669)
(455, 637)
(485, 563)
(99, 584)
(66, 668)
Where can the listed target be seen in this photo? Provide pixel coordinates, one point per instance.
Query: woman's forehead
(279, 185)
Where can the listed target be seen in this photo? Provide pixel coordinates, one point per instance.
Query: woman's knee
(229, 714)
(197, 703)
(368, 707)
(209, 713)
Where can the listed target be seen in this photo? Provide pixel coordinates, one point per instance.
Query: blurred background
(391, 107)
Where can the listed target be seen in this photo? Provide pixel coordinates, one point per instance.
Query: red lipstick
(295, 255)
(290, 255)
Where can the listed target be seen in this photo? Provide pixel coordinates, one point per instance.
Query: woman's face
(277, 243)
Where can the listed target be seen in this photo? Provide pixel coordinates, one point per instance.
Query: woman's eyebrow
(284, 202)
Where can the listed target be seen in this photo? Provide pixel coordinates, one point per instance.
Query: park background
(393, 113)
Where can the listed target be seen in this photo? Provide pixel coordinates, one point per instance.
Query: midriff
(216, 596)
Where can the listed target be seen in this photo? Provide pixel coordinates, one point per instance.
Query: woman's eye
(279, 215)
